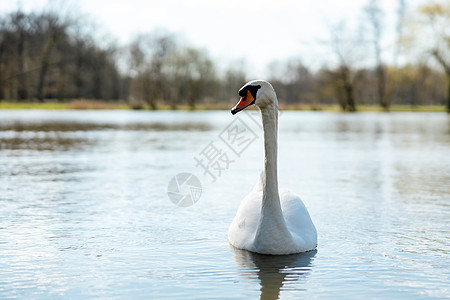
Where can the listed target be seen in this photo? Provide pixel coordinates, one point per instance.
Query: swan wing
(298, 220)
(241, 233)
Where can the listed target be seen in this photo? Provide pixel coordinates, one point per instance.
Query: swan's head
(258, 92)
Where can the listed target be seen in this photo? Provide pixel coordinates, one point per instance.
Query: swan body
(270, 220)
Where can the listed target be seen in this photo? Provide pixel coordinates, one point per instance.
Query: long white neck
(270, 179)
(272, 222)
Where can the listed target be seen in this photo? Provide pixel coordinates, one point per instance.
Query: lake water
(85, 210)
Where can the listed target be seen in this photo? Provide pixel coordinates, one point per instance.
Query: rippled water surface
(85, 211)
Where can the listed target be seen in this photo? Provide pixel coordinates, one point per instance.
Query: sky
(232, 31)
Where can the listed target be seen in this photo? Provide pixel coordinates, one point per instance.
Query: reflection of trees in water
(54, 142)
(58, 126)
(273, 271)
(65, 136)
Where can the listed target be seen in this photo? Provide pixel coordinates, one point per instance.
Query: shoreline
(102, 105)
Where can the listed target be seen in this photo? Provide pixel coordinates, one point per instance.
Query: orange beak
(245, 101)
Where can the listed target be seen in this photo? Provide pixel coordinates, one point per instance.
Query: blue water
(85, 211)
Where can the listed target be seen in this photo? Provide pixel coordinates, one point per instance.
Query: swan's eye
(253, 89)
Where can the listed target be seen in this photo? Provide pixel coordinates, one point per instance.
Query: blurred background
(84, 205)
(361, 55)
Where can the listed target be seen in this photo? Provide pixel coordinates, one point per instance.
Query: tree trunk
(191, 103)
(2, 84)
(2, 71)
(78, 72)
(351, 106)
(22, 91)
(446, 65)
(2, 88)
(381, 81)
(348, 90)
(44, 67)
(448, 92)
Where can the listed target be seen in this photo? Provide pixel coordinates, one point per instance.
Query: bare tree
(375, 14)
(19, 23)
(3, 53)
(439, 17)
(429, 31)
(345, 49)
(293, 81)
(232, 79)
(439, 56)
(53, 29)
(193, 74)
(149, 55)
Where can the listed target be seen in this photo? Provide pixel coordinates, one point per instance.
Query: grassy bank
(367, 108)
(93, 104)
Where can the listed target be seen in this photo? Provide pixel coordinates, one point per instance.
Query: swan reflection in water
(273, 271)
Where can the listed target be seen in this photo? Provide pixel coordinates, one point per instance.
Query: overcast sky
(258, 31)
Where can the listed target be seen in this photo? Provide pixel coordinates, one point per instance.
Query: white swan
(270, 221)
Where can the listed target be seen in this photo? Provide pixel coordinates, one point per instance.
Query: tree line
(48, 56)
